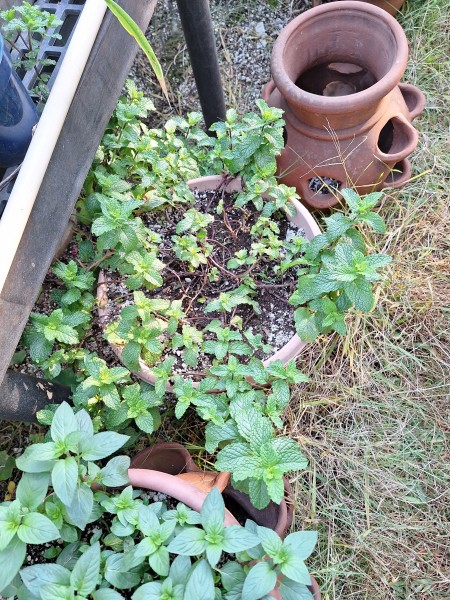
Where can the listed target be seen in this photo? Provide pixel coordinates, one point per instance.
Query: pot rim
(222, 482)
(287, 352)
(338, 104)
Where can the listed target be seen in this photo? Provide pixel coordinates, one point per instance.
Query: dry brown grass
(374, 418)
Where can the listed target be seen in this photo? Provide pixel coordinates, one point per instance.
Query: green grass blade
(133, 29)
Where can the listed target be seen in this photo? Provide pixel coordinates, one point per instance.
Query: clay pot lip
(289, 351)
(338, 104)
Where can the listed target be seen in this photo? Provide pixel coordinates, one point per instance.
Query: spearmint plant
(141, 565)
(67, 464)
(23, 27)
(340, 273)
(150, 232)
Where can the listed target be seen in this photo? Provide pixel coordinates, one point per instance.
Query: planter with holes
(336, 71)
(302, 219)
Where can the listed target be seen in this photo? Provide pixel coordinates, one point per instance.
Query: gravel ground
(245, 33)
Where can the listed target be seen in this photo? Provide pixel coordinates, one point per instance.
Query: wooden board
(101, 85)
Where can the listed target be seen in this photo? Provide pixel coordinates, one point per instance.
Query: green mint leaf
(37, 529)
(237, 539)
(260, 580)
(302, 543)
(200, 584)
(359, 292)
(237, 459)
(291, 590)
(65, 479)
(270, 541)
(148, 591)
(305, 325)
(102, 445)
(84, 422)
(213, 512)
(53, 591)
(190, 542)
(35, 455)
(115, 472)
(160, 561)
(232, 574)
(86, 571)
(80, 509)
(255, 428)
(63, 423)
(116, 572)
(107, 594)
(130, 355)
(32, 489)
(294, 568)
(36, 576)
(258, 493)
(11, 560)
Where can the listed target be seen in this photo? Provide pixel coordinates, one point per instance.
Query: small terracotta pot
(390, 6)
(173, 459)
(302, 218)
(336, 71)
(185, 492)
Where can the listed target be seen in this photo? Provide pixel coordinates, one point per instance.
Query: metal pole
(198, 32)
(21, 396)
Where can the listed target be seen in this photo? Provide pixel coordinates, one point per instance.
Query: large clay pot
(173, 459)
(336, 71)
(302, 218)
(390, 6)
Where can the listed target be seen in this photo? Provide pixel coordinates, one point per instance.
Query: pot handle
(414, 99)
(267, 90)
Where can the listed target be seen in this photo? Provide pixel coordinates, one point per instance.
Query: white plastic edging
(34, 166)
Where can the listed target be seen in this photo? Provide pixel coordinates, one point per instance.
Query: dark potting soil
(335, 79)
(229, 233)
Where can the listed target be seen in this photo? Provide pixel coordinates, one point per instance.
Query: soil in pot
(229, 233)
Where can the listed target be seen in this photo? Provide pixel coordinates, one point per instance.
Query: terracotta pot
(173, 459)
(302, 218)
(185, 492)
(390, 6)
(336, 71)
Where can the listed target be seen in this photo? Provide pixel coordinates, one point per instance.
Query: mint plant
(67, 463)
(197, 267)
(23, 27)
(340, 274)
(59, 326)
(257, 560)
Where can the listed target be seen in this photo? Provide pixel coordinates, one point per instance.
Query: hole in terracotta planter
(285, 136)
(335, 79)
(324, 185)
(396, 136)
(386, 137)
(396, 174)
